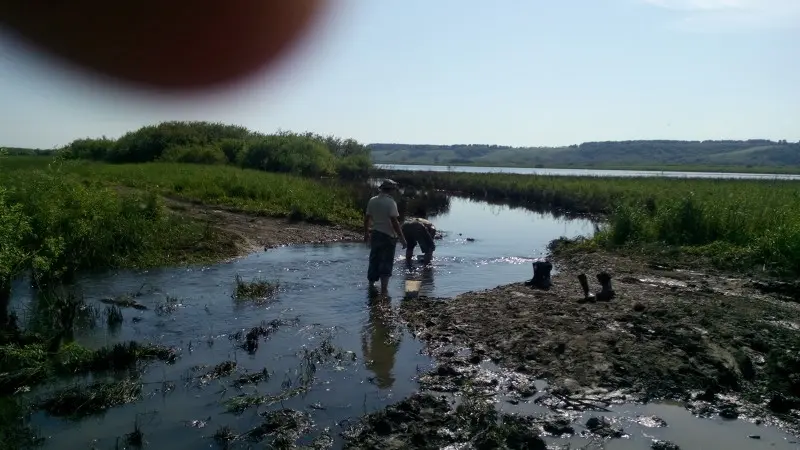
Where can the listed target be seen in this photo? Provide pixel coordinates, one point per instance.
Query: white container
(412, 288)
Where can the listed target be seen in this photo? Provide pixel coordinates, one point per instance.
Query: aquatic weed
(224, 436)
(15, 432)
(249, 341)
(252, 378)
(221, 370)
(285, 426)
(135, 438)
(29, 364)
(255, 289)
(114, 316)
(80, 401)
(241, 403)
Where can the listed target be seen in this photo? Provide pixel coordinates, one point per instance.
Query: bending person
(422, 232)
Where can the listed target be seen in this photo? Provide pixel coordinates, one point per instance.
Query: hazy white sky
(517, 72)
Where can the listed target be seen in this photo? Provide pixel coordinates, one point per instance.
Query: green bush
(307, 154)
(354, 167)
(197, 154)
(94, 149)
(150, 142)
(289, 153)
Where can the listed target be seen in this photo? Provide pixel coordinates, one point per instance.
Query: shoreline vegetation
(766, 170)
(747, 226)
(195, 192)
(691, 168)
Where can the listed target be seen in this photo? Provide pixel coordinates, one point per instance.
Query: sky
(515, 72)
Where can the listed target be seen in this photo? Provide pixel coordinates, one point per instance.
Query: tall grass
(736, 222)
(269, 194)
(60, 216)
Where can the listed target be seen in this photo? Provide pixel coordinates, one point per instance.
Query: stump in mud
(541, 275)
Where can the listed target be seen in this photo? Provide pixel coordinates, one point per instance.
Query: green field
(738, 223)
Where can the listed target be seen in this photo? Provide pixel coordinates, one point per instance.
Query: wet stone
(781, 404)
(446, 371)
(602, 427)
(728, 411)
(524, 389)
(701, 409)
(557, 425)
(709, 395)
(652, 422)
(664, 445)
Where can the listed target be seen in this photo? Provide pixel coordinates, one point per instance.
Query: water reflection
(379, 340)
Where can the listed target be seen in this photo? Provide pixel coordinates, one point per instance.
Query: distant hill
(750, 153)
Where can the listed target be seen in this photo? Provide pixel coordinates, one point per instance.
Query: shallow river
(324, 288)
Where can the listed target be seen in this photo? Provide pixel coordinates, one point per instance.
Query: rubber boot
(606, 292)
(587, 297)
(541, 275)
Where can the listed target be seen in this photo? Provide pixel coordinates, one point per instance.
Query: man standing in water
(422, 232)
(382, 231)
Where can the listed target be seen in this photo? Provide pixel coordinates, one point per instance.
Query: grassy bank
(56, 223)
(737, 223)
(59, 217)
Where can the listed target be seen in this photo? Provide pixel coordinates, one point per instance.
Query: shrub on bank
(305, 154)
(54, 224)
(194, 154)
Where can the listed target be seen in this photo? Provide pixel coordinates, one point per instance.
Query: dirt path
(668, 333)
(257, 232)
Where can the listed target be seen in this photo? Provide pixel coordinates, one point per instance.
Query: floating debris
(123, 301)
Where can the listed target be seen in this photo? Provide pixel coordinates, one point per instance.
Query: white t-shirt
(382, 208)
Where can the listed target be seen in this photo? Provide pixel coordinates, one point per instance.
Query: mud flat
(252, 232)
(721, 345)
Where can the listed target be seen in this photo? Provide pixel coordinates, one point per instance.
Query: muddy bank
(251, 232)
(669, 333)
(424, 421)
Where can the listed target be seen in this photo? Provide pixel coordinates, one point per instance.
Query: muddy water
(323, 295)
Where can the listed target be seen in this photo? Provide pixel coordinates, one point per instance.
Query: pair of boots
(541, 275)
(605, 294)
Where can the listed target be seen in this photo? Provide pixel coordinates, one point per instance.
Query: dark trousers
(381, 256)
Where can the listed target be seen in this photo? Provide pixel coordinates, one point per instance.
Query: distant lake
(588, 172)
